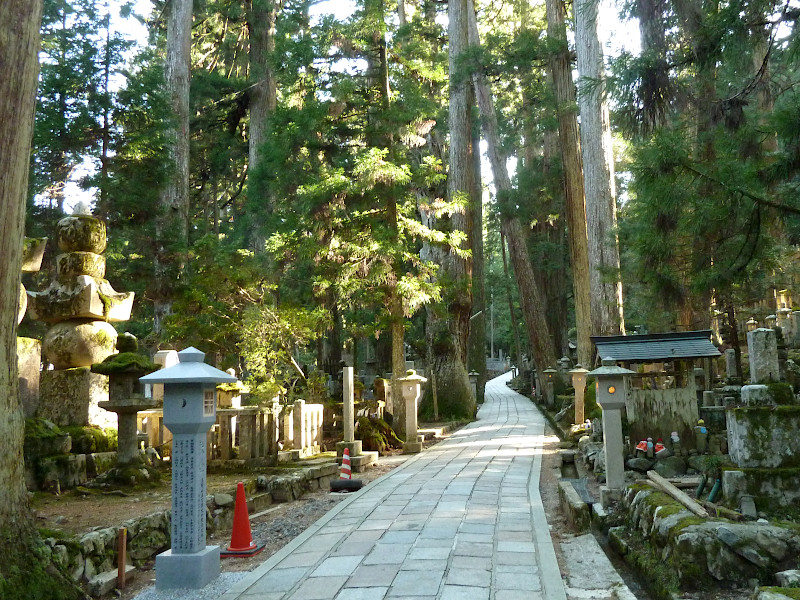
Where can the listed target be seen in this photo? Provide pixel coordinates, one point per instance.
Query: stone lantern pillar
(190, 404)
(412, 390)
(473, 384)
(579, 384)
(549, 383)
(610, 382)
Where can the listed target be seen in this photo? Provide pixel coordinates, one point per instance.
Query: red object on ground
(346, 472)
(242, 543)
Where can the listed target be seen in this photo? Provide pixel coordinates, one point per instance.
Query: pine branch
(746, 193)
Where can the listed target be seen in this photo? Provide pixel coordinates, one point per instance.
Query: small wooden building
(662, 396)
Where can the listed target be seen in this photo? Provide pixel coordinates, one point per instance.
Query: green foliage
(90, 439)
(270, 339)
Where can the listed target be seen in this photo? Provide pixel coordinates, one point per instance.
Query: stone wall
(764, 436)
(86, 558)
(657, 413)
(700, 553)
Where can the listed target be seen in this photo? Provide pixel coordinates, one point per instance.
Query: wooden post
(122, 544)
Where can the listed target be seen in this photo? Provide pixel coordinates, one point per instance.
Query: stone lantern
(412, 390)
(579, 383)
(610, 382)
(473, 383)
(549, 383)
(190, 402)
(751, 324)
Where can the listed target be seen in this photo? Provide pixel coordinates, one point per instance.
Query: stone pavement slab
(460, 521)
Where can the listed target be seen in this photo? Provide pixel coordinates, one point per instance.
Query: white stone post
(298, 421)
(412, 390)
(762, 345)
(348, 404)
(579, 385)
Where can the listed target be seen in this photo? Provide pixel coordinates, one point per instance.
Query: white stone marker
(762, 345)
(730, 362)
(610, 381)
(579, 384)
(190, 403)
(412, 390)
(348, 404)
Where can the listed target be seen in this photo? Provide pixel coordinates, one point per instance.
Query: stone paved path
(463, 520)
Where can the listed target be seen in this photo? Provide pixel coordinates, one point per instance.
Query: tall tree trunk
(477, 329)
(532, 304)
(511, 311)
(172, 222)
(564, 92)
(598, 172)
(263, 97)
(24, 570)
(448, 334)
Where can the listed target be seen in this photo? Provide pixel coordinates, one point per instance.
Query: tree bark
(598, 172)
(263, 97)
(530, 296)
(172, 222)
(477, 328)
(24, 570)
(564, 92)
(448, 334)
(511, 311)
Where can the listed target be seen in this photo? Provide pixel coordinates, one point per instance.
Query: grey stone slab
(428, 553)
(337, 566)
(399, 537)
(423, 565)
(516, 569)
(468, 577)
(435, 532)
(517, 595)
(475, 537)
(473, 549)
(321, 542)
(373, 524)
(318, 588)
(517, 581)
(365, 593)
(460, 592)
(471, 562)
(387, 554)
(354, 549)
(514, 536)
(368, 576)
(515, 558)
(278, 580)
(301, 559)
(516, 546)
(434, 542)
(414, 524)
(476, 528)
(416, 583)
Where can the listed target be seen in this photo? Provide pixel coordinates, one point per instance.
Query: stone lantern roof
(190, 369)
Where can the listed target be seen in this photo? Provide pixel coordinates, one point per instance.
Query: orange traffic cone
(242, 543)
(345, 483)
(346, 472)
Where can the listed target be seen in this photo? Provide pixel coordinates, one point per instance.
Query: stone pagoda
(81, 305)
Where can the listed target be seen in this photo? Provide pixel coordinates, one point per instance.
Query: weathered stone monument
(126, 398)
(190, 404)
(359, 459)
(80, 305)
(762, 347)
(29, 350)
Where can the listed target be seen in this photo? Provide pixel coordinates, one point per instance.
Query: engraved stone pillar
(300, 436)
(189, 411)
(762, 346)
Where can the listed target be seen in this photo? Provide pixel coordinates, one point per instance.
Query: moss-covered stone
(781, 393)
(87, 440)
(125, 362)
(81, 233)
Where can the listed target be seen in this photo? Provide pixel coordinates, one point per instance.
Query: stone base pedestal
(192, 571)
(355, 448)
(71, 397)
(29, 362)
(412, 447)
(608, 495)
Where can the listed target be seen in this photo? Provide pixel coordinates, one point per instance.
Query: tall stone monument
(29, 350)
(80, 305)
(190, 404)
